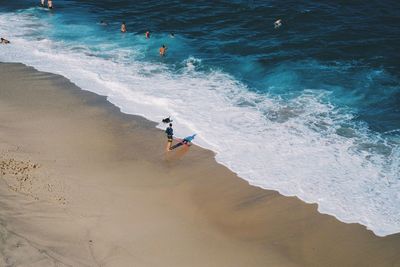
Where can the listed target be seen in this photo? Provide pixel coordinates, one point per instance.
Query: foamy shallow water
(303, 146)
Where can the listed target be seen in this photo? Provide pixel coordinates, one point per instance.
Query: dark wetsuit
(170, 132)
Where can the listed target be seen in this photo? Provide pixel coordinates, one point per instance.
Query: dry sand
(82, 184)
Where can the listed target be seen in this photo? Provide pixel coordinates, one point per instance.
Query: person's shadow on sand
(172, 156)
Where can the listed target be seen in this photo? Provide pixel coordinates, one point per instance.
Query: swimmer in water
(278, 23)
(163, 50)
(103, 23)
(42, 3)
(4, 41)
(172, 35)
(147, 34)
(50, 4)
(123, 27)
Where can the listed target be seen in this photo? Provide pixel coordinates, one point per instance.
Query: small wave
(392, 131)
(192, 63)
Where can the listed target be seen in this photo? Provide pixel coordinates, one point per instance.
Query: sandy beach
(83, 184)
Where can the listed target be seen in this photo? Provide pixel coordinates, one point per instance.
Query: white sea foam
(291, 146)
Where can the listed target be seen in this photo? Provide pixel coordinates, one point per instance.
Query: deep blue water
(322, 92)
(348, 48)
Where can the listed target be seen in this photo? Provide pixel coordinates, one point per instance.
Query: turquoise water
(310, 109)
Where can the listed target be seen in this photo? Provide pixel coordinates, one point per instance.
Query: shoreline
(218, 213)
(293, 160)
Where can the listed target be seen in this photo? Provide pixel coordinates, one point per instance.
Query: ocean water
(311, 109)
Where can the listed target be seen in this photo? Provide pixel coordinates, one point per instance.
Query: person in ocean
(50, 4)
(147, 34)
(123, 27)
(4, 41)
(170, 136)
(167, 120)
(172, 35)
(278, 23)
(163, 50)
(103, 23)
(42, 3)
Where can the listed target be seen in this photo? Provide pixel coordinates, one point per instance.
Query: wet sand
(82, 184)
